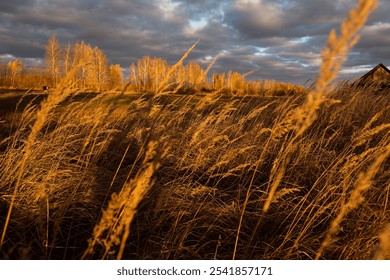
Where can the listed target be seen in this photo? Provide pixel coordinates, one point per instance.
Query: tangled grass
(205, 174)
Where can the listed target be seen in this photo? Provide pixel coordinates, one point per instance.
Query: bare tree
(82, 57)
(14, 68)
(53, 57)
(67, 58)
(99, 69)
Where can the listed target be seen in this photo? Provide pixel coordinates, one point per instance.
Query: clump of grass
(113, 228)
(59, 95)
(364, 182)
(60, 181)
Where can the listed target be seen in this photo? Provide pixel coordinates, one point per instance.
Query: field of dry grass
(159, 176)
(187, 178)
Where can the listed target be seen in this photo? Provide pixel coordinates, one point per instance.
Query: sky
(281, 39)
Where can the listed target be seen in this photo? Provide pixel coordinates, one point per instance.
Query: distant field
(13, 103)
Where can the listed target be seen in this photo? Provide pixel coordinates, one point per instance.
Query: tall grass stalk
(113, 228)
(212, 63)
(301, 118)
(333, 56)
(164, 83)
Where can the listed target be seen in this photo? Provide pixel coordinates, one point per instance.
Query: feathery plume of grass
(250, 72)
(212, 63)
(334, 55)
(114, 226)
(164, 83)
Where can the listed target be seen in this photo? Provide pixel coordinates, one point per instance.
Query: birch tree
(99, 69)
(14, 68)
(67, 58)
(53, 57)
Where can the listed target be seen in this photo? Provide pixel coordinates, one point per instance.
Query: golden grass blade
(163, 85)
(300, 119)
(212, 63)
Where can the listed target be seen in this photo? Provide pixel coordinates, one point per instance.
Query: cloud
(282, 39)
(265, 18)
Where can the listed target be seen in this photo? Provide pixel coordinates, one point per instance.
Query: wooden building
(379, 75)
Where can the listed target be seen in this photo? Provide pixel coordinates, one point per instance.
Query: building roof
(375, 69)
(380, 75)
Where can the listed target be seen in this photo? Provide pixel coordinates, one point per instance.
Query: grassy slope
(217, 161)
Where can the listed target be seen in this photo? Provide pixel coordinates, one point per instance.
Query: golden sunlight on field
(172, 166)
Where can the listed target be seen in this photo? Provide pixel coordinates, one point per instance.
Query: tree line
(148, 74)
(95, 73)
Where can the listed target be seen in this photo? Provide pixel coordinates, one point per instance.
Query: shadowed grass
(214, 178)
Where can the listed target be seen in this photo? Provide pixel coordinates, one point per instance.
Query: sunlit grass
(145, 176)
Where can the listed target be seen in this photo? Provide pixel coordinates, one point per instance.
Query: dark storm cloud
(262, 19)
(13, 6)
(281, 39)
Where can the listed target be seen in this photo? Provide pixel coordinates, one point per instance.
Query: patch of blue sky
(261, 51)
